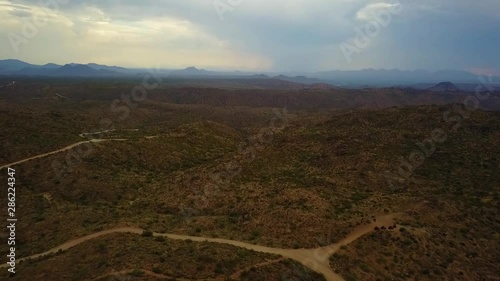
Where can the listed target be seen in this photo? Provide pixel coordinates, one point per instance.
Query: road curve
(316, 259)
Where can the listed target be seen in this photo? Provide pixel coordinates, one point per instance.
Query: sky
(278, 35)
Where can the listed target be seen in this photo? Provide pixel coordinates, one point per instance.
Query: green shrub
(136, 273)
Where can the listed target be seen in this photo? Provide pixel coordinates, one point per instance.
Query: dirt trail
(58, 151)
(316, 259)
(237, 274)
(84, 135)
(125, 275)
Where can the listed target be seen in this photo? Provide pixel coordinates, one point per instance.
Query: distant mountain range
(395, 77)
(355, 79)
(20, 68)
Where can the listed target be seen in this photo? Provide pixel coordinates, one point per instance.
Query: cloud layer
(275, 35)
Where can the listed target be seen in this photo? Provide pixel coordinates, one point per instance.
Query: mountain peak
(190, 71)
(444, 87)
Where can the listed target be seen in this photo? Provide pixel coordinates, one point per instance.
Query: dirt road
(58, 151)
(316, 259)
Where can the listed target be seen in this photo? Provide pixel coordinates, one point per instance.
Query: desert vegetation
(212, 163)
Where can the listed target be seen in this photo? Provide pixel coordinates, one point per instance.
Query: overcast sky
(277, 35)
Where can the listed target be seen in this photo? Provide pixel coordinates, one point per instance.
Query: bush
(218, 269)
(147, 233)
(101, 247)
(136, 273)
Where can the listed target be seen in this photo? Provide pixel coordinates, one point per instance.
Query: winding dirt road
(316, 259)
(83, 135)
(58, 151)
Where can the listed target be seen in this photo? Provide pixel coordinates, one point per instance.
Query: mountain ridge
(343, 78)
